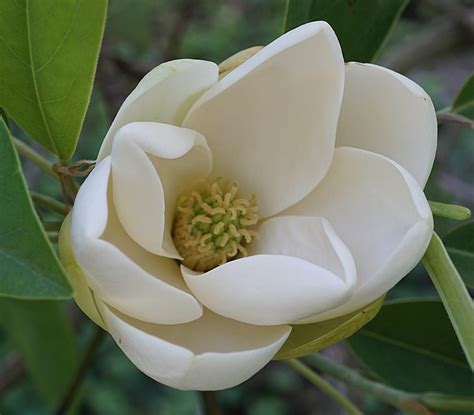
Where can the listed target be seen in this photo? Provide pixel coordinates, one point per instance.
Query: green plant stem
(453, 292)
(210, 404)
(445, 210)
(26, 151)
(49, 203)
(413, 403)
(76, 383)
(326, 387)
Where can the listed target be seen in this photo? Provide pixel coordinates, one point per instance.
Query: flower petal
(271, 122)
(387, 113)
(207, 354)
(298, 267)
(164, 95)
(152, 165)
(119, 271)
(380, 212)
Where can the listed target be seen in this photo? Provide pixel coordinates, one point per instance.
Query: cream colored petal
(271, 122)
(298, 267)
(152, 165)
(210, 353)
(164, 95)
(83, 295)
(387, 113)
(380, 212)
(118, 270)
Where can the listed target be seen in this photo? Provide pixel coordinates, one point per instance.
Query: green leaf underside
(464, 102)
(453, 293)
(49, 51)
(29, 267)
(361, 25)
(460, 246)
(412, 345)
(308, 338)
(40, 331)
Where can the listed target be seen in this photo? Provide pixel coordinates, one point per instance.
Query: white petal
(122, 273)
(164, 95)
(387, 113)
(152, 165)
(271, 122)
(207, 354)
(380, 212)
(298, 267)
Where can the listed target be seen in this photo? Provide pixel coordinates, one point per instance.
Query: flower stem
(210, 403)
(445, 210)
(26, 151)
(413, 403)
(49, 203)
(76, 383)
(326, 387)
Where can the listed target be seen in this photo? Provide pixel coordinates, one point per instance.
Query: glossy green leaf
(49, 53)
(449, 211)
(464, 102)
(460, 246)
(456, 299)
(411, 345)
(361, 25)
(29, 267)
(308, 338)
(42, 335)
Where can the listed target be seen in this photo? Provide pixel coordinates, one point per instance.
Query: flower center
(211, 225)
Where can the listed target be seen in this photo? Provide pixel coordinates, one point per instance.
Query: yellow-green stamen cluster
(211, 225)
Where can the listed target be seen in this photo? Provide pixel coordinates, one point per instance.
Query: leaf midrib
(415, 349)
(33, 75)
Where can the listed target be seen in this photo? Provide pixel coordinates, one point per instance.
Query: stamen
(211, 225)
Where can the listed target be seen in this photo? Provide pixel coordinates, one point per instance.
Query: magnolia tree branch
(413, 403)
(210, 404)
(76, 383)
(26, 151)
(326, 387)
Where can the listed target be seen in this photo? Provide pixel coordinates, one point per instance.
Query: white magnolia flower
(222, 210)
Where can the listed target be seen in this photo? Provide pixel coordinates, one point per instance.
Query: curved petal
(152, 165)
(122, 273)
(299, 267)
(164, 95)
(207, 354)
(387, 113)
(271, 122)
(83, 295)
(380, 212)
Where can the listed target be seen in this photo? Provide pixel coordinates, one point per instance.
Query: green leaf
(360, 25)
(308, 338)
(411, 345)
(445, 210)
(464, 102)
(29, 267)
(41, 333)
(453, 293)
(49, 51)
(460, 246)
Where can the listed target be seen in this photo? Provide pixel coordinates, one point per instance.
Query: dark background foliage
(431, 44)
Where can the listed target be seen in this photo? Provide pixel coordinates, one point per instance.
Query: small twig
(11, 373)
(455, 118)
(413, 403)
(49, 203)
(210, 403)
(326, 387)
(26, 151)
(75, 385)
